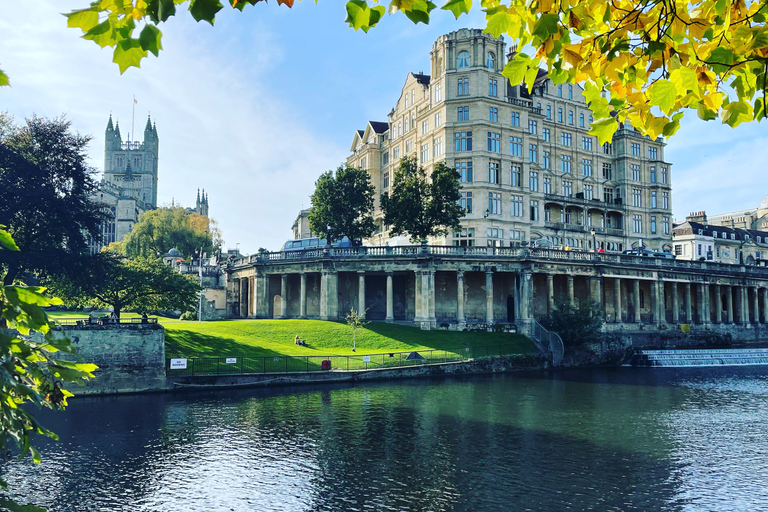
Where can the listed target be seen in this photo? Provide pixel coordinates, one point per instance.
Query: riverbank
(484, 365)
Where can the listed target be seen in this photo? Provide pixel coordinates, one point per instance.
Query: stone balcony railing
(492, 253)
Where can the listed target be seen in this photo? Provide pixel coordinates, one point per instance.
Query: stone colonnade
(460, 293)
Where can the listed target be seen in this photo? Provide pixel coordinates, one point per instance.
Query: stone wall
(130, 357)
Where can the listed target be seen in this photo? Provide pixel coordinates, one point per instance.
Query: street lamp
(487, 213)
(594, 244)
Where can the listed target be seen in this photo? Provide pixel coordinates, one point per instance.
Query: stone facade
(530, 172)
(130, 357)
(453, 287)
(129, 184)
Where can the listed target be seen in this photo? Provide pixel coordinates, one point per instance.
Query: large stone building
(530, 172)
(738, 238)
(128, 187)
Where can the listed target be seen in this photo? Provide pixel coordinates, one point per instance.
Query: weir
(700, 357)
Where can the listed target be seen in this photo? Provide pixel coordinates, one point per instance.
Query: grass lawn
(258, 338)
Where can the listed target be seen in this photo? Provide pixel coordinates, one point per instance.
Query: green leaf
(546, 26)
(102, 34)
(3, 79)
(128, 52)
(160, 10)
(22, 294)
(720, 59)
(671, 127)
(362, 17)
(706, 114)
(459, 7)
(663, 94)
(84, 19)
(500, 23)
(737, 112)
(150, 39)
(204, 10)
(419, 14)
(603, 129)
(6, 240)
(759, 108)
(515, 69)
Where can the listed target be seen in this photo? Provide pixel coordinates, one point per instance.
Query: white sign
(366, 359)
(231, 360)
(178, 364)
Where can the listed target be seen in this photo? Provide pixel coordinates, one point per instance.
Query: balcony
(565, 226)
(594, 203)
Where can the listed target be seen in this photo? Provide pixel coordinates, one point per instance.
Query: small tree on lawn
(355, 321)
(575, 323)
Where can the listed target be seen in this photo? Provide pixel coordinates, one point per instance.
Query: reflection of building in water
(530, 171)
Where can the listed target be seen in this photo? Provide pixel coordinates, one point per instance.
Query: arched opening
(462, 61)
(510, 308)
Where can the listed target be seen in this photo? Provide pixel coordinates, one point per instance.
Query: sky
(254, 109)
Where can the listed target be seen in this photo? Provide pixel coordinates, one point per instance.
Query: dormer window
(722, 235)
(733, 236)
(490, 60)
(701, 231)
(462, 61)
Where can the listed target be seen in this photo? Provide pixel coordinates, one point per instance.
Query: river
(619, 439)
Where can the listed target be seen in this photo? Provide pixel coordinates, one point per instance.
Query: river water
(620, 439)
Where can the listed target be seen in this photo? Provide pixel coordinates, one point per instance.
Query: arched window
(490, 60)
(463, 60)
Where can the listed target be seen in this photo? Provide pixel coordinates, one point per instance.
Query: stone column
(488, 297)
(361, 294)
(729, 303)
(659, 311)
(251, 296)
(756, 304)
(526, 294)
(707, 305)
(688, 305)
(744, 306)
(617, 299)
(460, 297)
(550, 293)
(329, 298)
(675, 305)
(283, 296)
(303, 296)
(432, 318)
(390, 299)
(243, 299)
(594, 290)
(718, 305)
(262, 296)
(765, 305)
(637, 300)
(700, 301)
(571, 294)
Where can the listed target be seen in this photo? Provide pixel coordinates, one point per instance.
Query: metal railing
(548, 342)
(308, 364)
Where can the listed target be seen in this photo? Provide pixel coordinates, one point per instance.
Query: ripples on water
(605, 440)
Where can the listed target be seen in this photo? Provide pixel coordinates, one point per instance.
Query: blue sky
(255, 108)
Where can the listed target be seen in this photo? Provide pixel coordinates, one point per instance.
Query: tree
(355, 321)
(575, 323)
(639, 60)
(420, 207)
(141, 284)
(160, 230)
(31, 371)
(46, 200)
(342, 205)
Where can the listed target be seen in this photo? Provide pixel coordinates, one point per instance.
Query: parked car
(665, 255)
(640, 252)
(313, 243)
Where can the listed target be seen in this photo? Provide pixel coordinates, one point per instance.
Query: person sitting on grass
(299, 341)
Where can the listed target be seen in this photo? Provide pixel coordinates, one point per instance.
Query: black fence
(307, 364)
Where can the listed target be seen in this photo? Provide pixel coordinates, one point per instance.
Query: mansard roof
(422, 78)
(378, 126)
(698, 228)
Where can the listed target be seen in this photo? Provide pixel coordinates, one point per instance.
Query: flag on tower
(135, 101)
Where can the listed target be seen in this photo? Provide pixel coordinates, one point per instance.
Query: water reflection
(606, 440)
